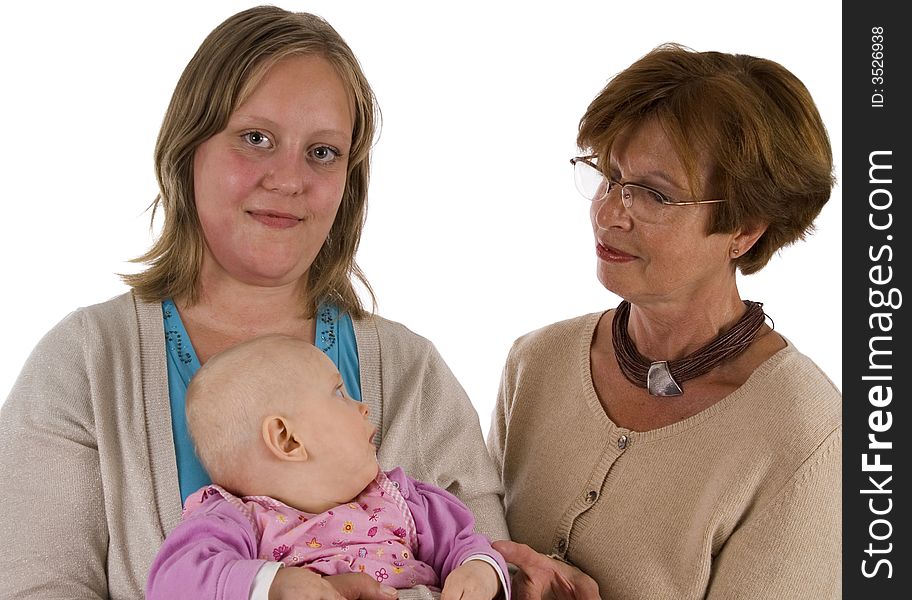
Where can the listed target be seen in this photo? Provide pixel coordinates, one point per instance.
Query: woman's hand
(544, 578)
(296, 583)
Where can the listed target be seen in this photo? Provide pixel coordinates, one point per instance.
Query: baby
(299, 486)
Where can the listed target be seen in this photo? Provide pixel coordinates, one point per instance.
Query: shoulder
(123, 326)
(393, 347)
(122, 305)
(213, 501)
(390, 333)
(554, 346)
(203, 500)
(789, 421)
(792, 365)
(790, 411)
(118, 316)
(92, 354)
(125, 314)
(84, 330)
(790, 387)
(557, 333)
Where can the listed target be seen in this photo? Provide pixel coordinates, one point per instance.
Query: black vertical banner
(877, 371)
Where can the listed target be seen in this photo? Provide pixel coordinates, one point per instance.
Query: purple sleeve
(211, 554)
(445, 527)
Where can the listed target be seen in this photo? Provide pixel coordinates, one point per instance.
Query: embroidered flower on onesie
(374, 534)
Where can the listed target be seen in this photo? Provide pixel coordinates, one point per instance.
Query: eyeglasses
(643, 203)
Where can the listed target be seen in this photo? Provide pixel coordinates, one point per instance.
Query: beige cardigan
(87, 467)
(742, 500)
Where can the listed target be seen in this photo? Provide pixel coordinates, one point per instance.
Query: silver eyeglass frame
(587, 160)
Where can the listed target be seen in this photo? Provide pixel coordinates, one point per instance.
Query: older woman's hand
(541, 577)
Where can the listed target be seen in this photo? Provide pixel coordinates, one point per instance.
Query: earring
(735, 251)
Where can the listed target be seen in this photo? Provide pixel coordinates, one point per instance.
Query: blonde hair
(752, 117)
(223, 72)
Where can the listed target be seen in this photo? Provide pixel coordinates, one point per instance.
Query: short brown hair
(752, 117)
(219, 77)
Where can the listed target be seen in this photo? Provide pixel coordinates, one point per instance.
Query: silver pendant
(659, 381)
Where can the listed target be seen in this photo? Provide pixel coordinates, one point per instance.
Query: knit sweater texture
(742, 500)
(87, 454)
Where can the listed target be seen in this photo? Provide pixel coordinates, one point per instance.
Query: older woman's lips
(609, 254)
(274, 219)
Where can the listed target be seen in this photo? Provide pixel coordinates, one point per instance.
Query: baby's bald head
(236, 389)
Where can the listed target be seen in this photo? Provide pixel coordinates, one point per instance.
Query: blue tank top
(335, 336)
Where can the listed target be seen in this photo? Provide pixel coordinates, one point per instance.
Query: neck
(668, 331)
(307, 489)
(232, 312)
(239, 305)
(277, 483)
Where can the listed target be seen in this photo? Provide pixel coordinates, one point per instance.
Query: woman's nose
(609, 212)
(287, 174)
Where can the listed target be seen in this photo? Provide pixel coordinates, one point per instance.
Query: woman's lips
(609, 254)
(274, 219)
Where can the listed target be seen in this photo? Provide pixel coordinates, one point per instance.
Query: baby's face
(339, 438)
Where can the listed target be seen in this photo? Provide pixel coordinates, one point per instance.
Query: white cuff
(259, 589)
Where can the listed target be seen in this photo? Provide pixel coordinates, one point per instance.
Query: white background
(475, 233)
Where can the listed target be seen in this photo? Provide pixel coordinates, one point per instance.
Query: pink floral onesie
(373, 534)
(402, 532)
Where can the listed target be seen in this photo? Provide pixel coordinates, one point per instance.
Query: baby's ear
(282, 440)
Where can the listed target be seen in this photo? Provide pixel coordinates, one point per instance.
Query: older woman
(677, 446)
(262, 162)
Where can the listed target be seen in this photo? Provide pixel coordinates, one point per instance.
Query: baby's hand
(473, 580)
(297, 583)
